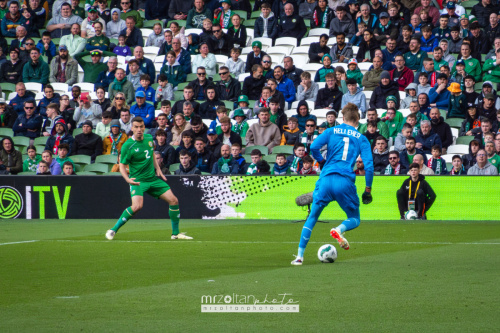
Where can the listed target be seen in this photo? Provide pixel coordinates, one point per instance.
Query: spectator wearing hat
(487, 109)
(88, 25)
(482, 11)
(266, 25)
(223, 15)
(415, 57)
(386, 88)
(291, 24)
(11, 71)
(479, 41)
(342, 23)
(95, 67)
(487, 89)
(353, 72)
(143, 109)
(385, 29)
(63, 68)
(240, 127)
(472, 65)
(341, 51)
(439, 96)
(36, 70)
(255, 57)
(401, 74)
(491, 68)
(458, 103)
(354, 95)
(243, 105)
(113, 142)
(61, 25)
(455, 41)
(214, 144)
(87, 143)
(327, 68)
(453, 12)
(319, 49)
(87, 111)
(59, 134)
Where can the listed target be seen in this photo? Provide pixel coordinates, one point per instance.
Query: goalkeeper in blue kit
(337, 179)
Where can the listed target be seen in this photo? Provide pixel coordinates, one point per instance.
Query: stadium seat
(265, 41)
(27, 173)
(242, 76)
(33, 86)
(405, 112)
(320, 113)
(191, 77)
(458, 149)
(77, 131)
(21, 141)
(6, 86)
(106, 159)
(281, 50)
(288, 150)
(464, 140)
(448, 158)
(454, 132)
(187, 32)
(41, 141)
(85, 86)
(182, 23)
(97, 168)
(173, 167)
(249, 23)
(355, 50)
(307, 41)
(85, 173)
(364, 66)
(454, 122)
(318, 32)
(299, 59)
(255, 14)
(178, 95)
(59, 87)
(321, 85)
(159, 59)
(271, 159)
(221, 59)
(286, 41)
(81, 159)
(5, 131)
(112, 174)
(263, 149)
(291, 112)
(301, 50)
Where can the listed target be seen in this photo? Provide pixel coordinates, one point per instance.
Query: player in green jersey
(138, 153)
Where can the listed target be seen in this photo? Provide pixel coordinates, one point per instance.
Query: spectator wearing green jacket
(472, 65)
(92, 69)
(491, 68)
(371, 114)
(36, 70)
(173, 70)
(128, 12)
(457, 106)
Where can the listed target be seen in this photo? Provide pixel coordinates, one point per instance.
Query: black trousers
(422, 202)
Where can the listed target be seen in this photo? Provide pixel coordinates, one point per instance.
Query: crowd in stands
(228, 75)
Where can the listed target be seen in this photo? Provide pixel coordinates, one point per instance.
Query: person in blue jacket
(142, 109)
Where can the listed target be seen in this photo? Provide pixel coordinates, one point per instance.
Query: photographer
(415, 194)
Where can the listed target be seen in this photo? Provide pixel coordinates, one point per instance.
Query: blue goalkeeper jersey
(344, 144)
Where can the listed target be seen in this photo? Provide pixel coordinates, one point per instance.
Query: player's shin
(173, 212)
(349, 224)
(308, 227)
(126, 215)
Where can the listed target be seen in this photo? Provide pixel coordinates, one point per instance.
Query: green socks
(126, 215)
(173, 212)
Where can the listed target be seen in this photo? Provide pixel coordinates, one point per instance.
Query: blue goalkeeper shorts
(337, 188)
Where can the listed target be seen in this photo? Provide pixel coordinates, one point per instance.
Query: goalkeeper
(337, 179)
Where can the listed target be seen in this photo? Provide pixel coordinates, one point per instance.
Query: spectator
(472, 65)
(341, 51)
(256, 157)
(11, 160)
(415, 56)
(198, 128)
(329, 97)
(59, 135)
(105, 78)
(424, 170)
(390, 53)
(318, 50)
(95, 67)
(219, 42)
(234, 63)
(291, 72)
(303, 115)
(479, 42)
(426, 137)
(309, 135)
(433, 11)
(371, 79)
(127, 12)
(87, 111)
(87, 143)
(89, 25)
(400, 140)
(470, 159)
(364, 15)
(307, 89)
(367, 47)
(291, 134)
(11, 71)
(50, 97)
(342, 23)
(266, 25)
(408, 154)
(207, 109)
(491, 67)
(44, 168)
(204, 59)
(385, 30)
(114, 140)
(197, 14)
(285, 85)
(385, 89)
(392, 123)
(264, 132)
(255, 57)
(7, 114)
(53, 115)
(36, 70)
(61, 25)
(164, 125)
(322, 15)
(21, 38)
(493, 158)
(164, 149)
(200, 84)
(470, 122)
(180, 125)
(228, 136)
(226, 163)
(481, 132)
(30, 162)
(447, 57)
(145, 64)
(188, 97)
(483, 167)
(214, 145)
(371, 115)
(252, 85)
(482, 12)
(439, 95)
(125, 121)
(402, 74)
(458, 102)
(74, 43)
(143, 109)
(99, 41)
(228, 88)
(291, 24)
(355, 95)
(156, 37)
(394, 167)
(63, 68)
(458, 168)
(181, 55)
(104, 127)
(187, 166)
(135, 73)
(118, 103)
(488, 89)
(28, 124)
(116, 25)
(172, 70)
(21, 96)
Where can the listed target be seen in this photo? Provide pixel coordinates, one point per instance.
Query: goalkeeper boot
(110, 234)
(341, 239)
(182, 235)
(298, 261)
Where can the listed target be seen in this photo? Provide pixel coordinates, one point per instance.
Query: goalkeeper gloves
(367, 196)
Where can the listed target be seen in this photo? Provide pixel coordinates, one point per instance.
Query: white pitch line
(258, 242)
(21, 242)
(67, 297)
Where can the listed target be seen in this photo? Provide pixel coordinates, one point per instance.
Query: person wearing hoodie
(37, 69)
(447, 57)
(87, 143)
(303, 115)
(266, 25)
(341, 51)
(59, 134)
(471, 121)
(50, 97)
(411, 96)
(306, 9)
(458, 102)
(428, 40)
(380, 155)
(197, 14)
(240, 126)
(327, 68)
(426, 137)
(400, 140)
(371, 115)
(342, 23)
(115, 25)
(417, 189)
(282, 166)
(207, 108)
(329, 97)
(353, 72)
(439, 96)
(264, 132)
(385, 89)
(491, 68)
(291, 135)
(187, 165)
(401, 74)
(470, 159)
(173, 70)
(483, 167)
(354, 95)
(204, 159)
(322, 15)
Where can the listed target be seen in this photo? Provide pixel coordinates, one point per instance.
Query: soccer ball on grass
(327, 253)
(411, 215)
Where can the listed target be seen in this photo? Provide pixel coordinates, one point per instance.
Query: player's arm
(366, 155)
(158, 169)
(123, 171)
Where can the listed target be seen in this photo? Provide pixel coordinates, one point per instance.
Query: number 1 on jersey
(346, 148)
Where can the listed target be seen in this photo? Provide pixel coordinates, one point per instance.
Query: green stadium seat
(77, 131)
(7, 87)
(80, 159)
(247, 158)
(178, 95)
(249, 23)
(150, 23)
(182, 23)
(469, 5)
(244, 141)
(191, 77)
(454, 122)
(27, 173)
(106, 159)
(449, 166)
(21, 141)
(181, 86)
(39, 150)
(478, 86)
(263, 149)
(112, 174)
(85, 173)
(229, 104)
(97, 168)
(271, 159)
(288, 150)
(242, 13)
(464, 140)
(5, 131)
(255, 15)
(206, 174)
(173, 167)
(41, 141)
(251, 103)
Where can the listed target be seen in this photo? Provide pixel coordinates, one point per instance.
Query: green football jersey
(139, 156)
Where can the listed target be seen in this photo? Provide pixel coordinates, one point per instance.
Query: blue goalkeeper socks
(308, 227)
(349, 224)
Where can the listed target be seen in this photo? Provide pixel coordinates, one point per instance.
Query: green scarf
(274, 118)
(118, 85)
(114, 143)
(237, 128)
(295, 164)
(224, 164)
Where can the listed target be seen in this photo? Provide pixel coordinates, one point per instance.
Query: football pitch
(399, 276)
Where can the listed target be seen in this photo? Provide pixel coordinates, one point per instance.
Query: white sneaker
(182, 235)
(298, 261)
(110, 234)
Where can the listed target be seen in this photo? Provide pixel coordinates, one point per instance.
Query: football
(411, 215)
(327, 253)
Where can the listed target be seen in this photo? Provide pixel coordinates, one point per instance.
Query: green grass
(402, 277)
